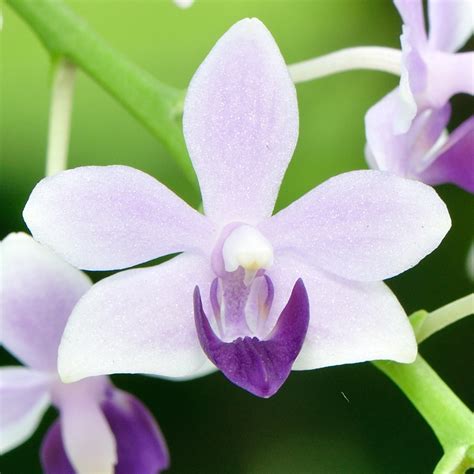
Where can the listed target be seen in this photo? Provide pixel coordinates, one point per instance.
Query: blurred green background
(210, 425)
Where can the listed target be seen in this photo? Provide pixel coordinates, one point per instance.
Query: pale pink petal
(24, 397)
(448, 74)
(362, 225)
(451, 23)
(138, 321)
(411, 12)
(38, 292)
(111, 217)
(402, 154)
(241, 124)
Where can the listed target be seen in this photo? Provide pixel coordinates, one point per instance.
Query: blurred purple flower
(255, 277)
(406, 129)
(99, 426)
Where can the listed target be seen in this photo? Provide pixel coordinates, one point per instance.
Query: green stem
(444, 316)
(153, 103)
(349, 59)
(456, 461)
(451, 421)
(62, 93)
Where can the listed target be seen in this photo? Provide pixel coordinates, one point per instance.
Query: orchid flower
(100, 426)
(301, 289)
(406, 129)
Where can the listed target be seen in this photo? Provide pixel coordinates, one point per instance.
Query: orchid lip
(258, 366)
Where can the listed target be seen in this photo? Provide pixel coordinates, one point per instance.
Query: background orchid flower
(297, 290)
(426, 152)
(99, 426)
(406, 129)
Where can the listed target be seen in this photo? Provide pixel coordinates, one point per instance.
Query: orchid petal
(259, 366)
(38, 292)
(241, 124)
(141, 448)
(111, 217)
(88, 439)
(411, 12)
(402, 154)
(449, 74)
(53, 455)
(454, 162)
(24, 397)
(362, 225)
(138, 321)
(451, 24)
(349, 321)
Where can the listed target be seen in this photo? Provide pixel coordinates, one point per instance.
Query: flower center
(246, 247)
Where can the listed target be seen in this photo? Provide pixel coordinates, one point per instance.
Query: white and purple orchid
(406, 129)
(301, 289)
(101, 429)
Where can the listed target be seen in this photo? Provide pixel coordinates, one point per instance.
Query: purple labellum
(53, 456)
(141, 448)
(259, 366)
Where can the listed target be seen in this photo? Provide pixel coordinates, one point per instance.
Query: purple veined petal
(448, 74)
(38, 293)
(88, 440)
(362, 225)
(401, 154)
(112, 217)
(349, 321)
(138, 321)
(141, 447)
(241, 124)
(53, 456)
(24, 397)
(451, 24)
(454, 162)
(258, 366)
(411, 12)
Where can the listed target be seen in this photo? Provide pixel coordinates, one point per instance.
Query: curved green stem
(444, 316)
(153, 103)
(456, 461)
(62, 93)
(451, 421)
(362, 57)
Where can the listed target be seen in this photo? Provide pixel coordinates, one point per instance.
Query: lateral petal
(362, 225)
(112, 217)
(137, 321)
(349, 321)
